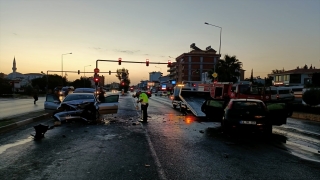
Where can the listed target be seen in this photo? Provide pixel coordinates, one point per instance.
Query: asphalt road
(170, 146)
(10, 107)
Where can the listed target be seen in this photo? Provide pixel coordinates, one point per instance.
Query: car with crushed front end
(246, 114)
(83, 106)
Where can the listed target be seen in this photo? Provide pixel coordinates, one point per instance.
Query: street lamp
(84, 74)
(220, 33)
(62, 64)
(219, 45)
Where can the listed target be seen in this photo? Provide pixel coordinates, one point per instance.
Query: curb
(23, 122)
(306, 116)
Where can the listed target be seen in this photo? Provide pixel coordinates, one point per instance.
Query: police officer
(144, 100)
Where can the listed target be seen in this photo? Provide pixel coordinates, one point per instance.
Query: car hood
(79, 101)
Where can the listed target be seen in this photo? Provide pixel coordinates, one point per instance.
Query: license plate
(248, 122)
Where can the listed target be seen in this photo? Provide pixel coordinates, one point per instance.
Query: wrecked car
(83, 106)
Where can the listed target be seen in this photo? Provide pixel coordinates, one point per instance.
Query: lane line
(153, 152)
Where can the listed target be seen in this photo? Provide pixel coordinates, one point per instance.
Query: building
(294, 77)
(154, 76)
(193, 66)
(20, 79)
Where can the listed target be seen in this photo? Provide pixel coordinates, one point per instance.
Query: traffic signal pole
(138, 62)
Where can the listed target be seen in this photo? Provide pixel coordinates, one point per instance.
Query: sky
(263, 34)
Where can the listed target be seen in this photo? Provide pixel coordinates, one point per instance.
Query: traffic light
(119, 61)
(78, 71)
(122, 83)
(169, 63)
(147, 62)
(109, 72)
(96, 79)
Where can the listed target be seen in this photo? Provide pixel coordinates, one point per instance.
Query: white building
(20, 79)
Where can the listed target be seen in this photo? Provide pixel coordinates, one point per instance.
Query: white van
(282, 94)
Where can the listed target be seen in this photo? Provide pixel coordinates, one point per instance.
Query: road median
(7, 124)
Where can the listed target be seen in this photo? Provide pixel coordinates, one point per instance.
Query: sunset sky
(263, 34)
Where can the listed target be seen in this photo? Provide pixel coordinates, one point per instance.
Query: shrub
(311, 97)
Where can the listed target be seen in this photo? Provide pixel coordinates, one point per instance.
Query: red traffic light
(169, 63)
(147, 62)
(96, 79)
(119, 61)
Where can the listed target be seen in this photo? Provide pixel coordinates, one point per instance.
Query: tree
(251, 77)
(82, 82)
(228, 70)
(276, 71)
(6, 88)
(53, 81)
(122, 74)
(311, 97)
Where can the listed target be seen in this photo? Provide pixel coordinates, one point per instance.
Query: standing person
(101, 95)
(144, 100)
(35, 96)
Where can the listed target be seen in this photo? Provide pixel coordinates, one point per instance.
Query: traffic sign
(96, 70)
(215, 75)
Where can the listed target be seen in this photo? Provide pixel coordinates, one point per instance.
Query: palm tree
(227, 69)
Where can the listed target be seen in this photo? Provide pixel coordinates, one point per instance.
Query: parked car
(248, 114)
(71, 102)
(66, 90)
(86, 90)
(162, 93)
(148, 94)
(282, 94)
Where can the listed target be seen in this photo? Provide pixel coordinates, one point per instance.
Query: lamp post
(62, 63)
(84, 74)
(220, 34)
(219, 45)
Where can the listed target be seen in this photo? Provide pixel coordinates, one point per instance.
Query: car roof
(85, 89)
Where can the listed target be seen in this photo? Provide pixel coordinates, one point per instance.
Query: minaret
(14, 68)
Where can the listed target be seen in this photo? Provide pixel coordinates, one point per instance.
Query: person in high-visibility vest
(144, 100)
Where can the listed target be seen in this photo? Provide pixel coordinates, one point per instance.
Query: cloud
(127, 51)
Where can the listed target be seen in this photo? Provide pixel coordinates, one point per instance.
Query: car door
(51, 103)
(110, 104)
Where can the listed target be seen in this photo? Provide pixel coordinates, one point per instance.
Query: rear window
(246, 105)
(72, 97)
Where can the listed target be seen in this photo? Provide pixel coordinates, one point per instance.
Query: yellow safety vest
(144, 98)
